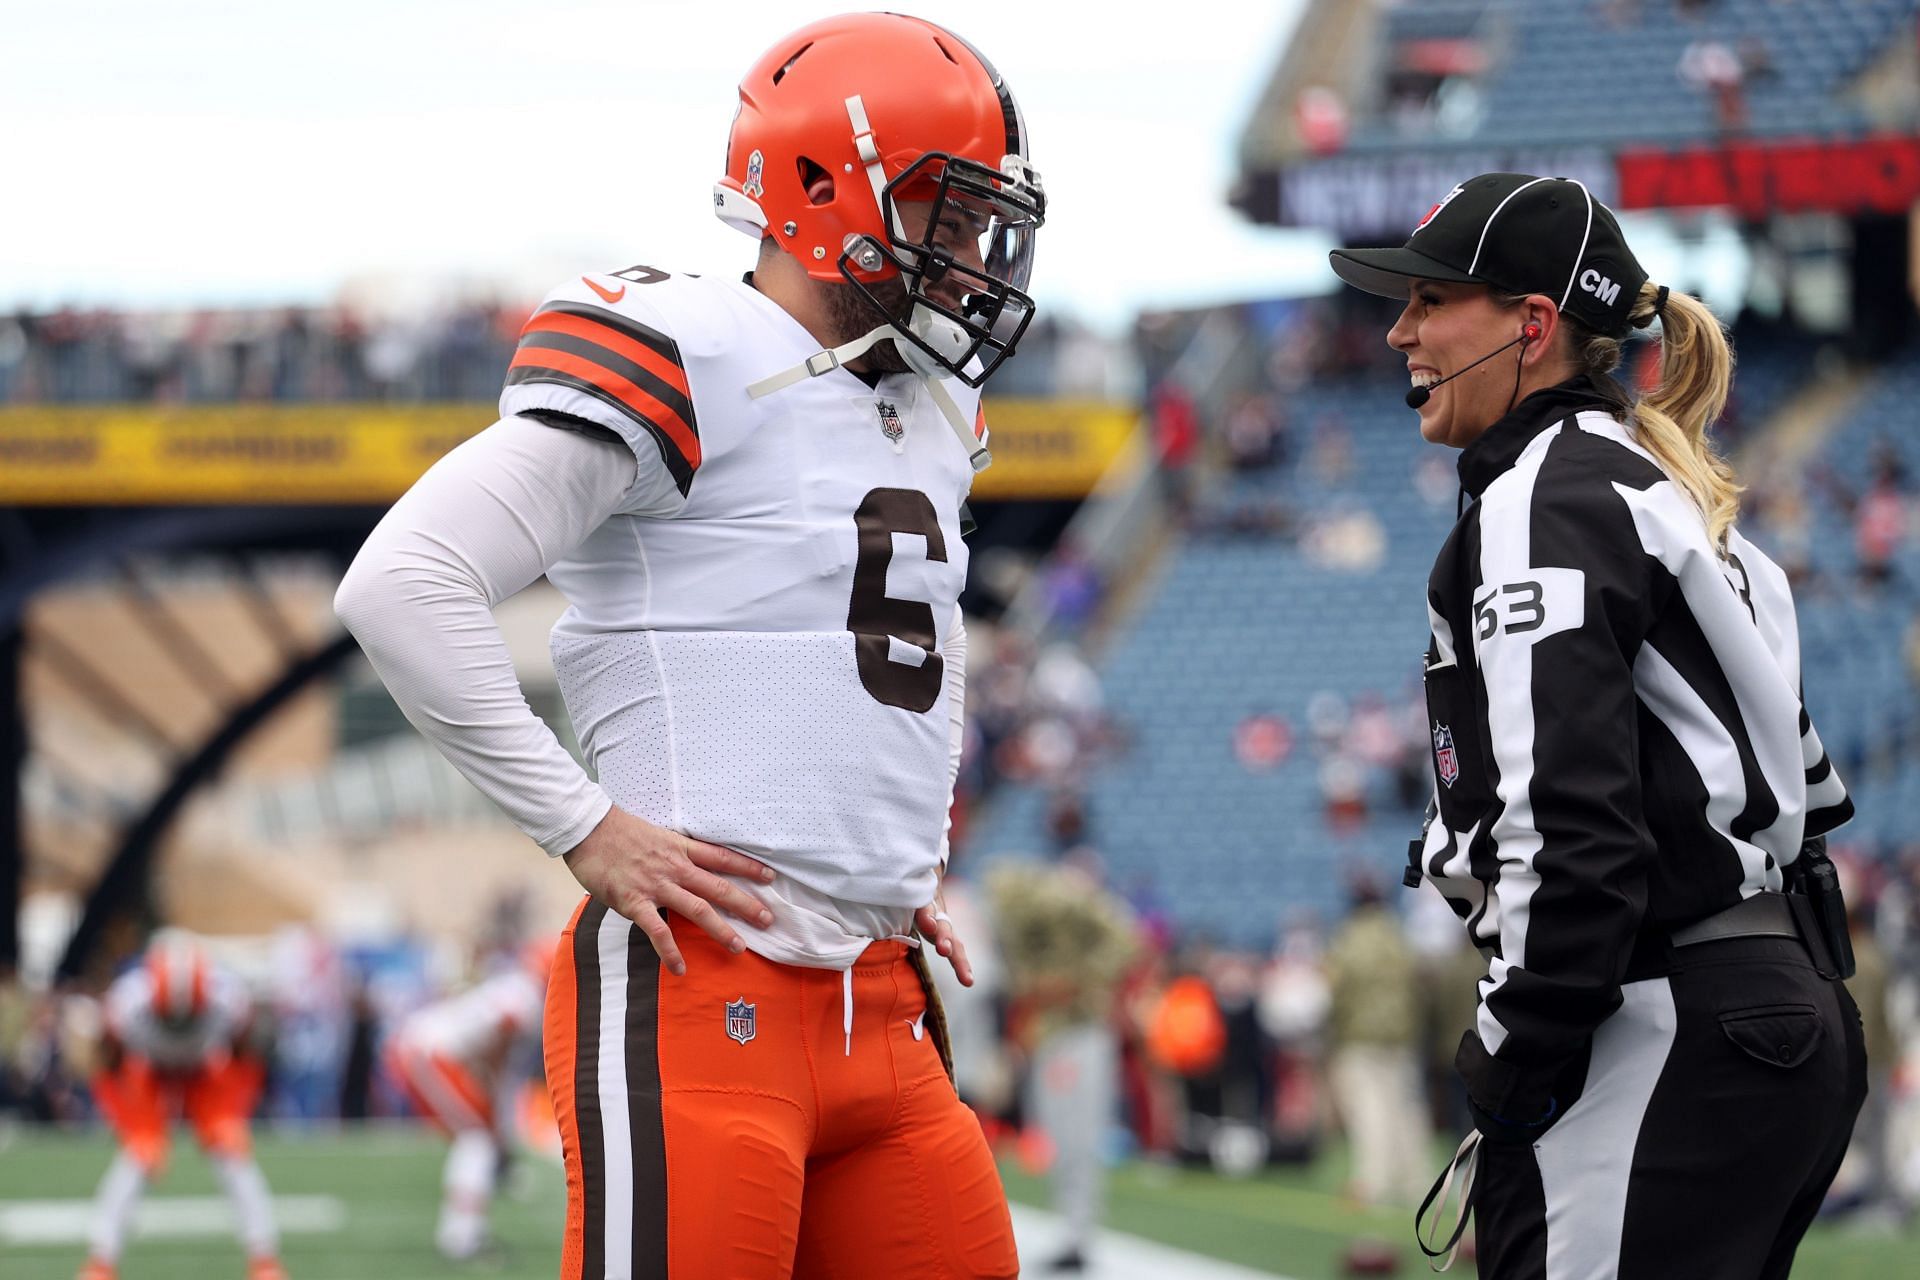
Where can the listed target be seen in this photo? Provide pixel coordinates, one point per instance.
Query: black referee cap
(1520, 234)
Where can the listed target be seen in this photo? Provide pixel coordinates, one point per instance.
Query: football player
(450, 1058)
(751, 493)
(175, 1043)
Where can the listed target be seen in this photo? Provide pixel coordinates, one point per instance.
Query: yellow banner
(1052, 448)
(76, 455)
(217, 454)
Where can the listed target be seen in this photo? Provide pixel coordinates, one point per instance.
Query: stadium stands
(337, 354)
(1792, 62)
(1856, 630)
(1239, 626)
(1243, 622)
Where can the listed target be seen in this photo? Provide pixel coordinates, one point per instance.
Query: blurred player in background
(1068, 944)
(751, 492)
(451, 1058)
(1373, 1068)
(175, 1044)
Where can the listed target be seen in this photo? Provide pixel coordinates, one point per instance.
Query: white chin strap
(834, 357)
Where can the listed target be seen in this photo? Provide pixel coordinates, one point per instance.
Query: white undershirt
(484, 522)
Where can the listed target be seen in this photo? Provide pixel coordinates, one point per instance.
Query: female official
(1664, 1065)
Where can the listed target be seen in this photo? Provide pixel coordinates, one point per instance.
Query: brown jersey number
(876, 618)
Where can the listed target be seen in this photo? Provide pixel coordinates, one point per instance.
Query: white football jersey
(130, 1017)
(752, 655)
(468, 1026)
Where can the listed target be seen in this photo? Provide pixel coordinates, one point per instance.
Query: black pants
(1699, 1135)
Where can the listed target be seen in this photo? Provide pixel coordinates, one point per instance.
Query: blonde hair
(1672, 420)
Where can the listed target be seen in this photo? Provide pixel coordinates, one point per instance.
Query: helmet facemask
(964, 270)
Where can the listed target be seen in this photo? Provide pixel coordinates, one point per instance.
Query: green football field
(361, 1205)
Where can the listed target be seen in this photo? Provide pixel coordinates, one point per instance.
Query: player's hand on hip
(936, 926)
(641, 870)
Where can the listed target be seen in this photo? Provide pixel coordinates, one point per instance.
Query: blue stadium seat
(1619, 82)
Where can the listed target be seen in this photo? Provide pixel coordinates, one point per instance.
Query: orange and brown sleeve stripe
(632, 368)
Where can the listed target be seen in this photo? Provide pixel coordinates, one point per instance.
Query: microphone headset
(1420, 395)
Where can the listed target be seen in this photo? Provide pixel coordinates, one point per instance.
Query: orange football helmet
(894, 109)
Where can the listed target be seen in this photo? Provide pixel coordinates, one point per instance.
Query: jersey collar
(1500, 445)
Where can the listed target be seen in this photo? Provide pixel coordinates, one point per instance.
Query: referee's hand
(640, 870)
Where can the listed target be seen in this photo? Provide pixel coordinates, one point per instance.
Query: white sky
(213, 151)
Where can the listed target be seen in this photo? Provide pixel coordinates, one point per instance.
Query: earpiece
(1531, 333)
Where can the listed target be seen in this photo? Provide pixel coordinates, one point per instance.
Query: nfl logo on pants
(740, 1023)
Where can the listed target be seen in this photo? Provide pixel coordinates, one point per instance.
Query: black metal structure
(40, 548)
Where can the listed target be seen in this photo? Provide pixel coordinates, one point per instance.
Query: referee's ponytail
(1672, 420)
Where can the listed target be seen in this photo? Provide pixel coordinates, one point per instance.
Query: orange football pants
(441, 1089)
(726, 1125)
(139, 1101)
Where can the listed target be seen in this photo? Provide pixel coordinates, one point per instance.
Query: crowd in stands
(293, 355)
(332, 354)
(1664, 69)
(1033, 716)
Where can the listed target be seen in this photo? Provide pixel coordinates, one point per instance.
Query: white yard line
(1117, 1255)
(59, 1222)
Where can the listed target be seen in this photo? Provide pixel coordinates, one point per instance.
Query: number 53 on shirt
(1545, 603)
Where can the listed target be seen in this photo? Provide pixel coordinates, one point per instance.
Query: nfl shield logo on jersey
(890, 420)
(1445, 759)
(740, 1021)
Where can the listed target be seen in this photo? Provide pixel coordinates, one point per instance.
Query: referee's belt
(1764, 915)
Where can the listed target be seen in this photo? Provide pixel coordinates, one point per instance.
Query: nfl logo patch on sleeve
(1446, 760)
(740, 1021)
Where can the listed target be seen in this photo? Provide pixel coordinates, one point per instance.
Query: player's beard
(854, 316)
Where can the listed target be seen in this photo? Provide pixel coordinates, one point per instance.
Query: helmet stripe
(157, 975)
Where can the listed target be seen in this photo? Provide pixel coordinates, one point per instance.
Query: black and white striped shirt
(1620, 746)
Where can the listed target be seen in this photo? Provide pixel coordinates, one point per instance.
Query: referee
(1664, 1066)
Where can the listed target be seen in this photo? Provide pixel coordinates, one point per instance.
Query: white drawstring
(846, 1007)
